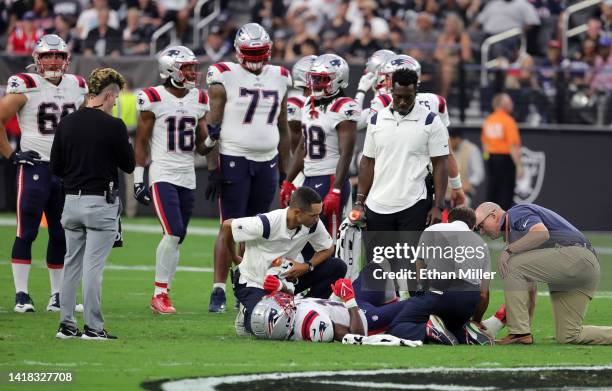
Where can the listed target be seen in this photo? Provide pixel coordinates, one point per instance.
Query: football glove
(141, 193)
(24, 157)
(366, 82)
(272, 284)
(214, 131)
(213, 189)
(287, 188)
(343, 288)
(331, 203)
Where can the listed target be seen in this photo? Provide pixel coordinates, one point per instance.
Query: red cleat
(161, 304)
(501, 314)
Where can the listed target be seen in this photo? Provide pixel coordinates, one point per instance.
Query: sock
(21, 271)
(219, 285)
(166, 260)
(493, 325)
(55, 276)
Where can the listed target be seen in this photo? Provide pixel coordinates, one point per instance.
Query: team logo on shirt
(528, 187)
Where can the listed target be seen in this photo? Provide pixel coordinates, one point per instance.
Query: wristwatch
(310, 266)
(507, 249)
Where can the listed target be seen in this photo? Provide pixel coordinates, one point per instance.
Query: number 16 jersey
(174, 133)
(250, 116)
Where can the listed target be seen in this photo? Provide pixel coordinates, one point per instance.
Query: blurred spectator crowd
(444, 35)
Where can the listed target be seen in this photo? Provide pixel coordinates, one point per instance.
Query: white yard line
(39, 263)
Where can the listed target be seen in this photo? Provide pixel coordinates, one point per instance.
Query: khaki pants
(572, 274)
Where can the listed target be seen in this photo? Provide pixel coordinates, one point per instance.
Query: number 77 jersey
(250, 116)
(174, 133)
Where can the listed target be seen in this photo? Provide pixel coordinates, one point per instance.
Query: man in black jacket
(88, 148)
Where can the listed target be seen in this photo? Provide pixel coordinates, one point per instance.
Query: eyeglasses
(478, 226)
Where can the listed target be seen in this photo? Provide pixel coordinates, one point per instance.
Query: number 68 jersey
(174, 133)
(46, 105)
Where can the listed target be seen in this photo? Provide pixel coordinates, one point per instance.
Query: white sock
(493, 325)
(219, 285)
(166, 260)
(21, 271)
(55, 276)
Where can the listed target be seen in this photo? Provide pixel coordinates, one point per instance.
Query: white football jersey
(434, 103)
(174, 133)
(250, 117)
(321, 136)
(312, 316)
(295, 104)
(46, 105)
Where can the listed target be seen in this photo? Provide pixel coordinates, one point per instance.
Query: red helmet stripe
(308, 319)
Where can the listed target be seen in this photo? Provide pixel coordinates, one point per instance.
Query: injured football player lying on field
(281, 316)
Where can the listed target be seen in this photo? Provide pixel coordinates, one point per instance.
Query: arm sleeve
(438, 139)
(124, 152)
(321, 240)
(369, 147)
(247, 228)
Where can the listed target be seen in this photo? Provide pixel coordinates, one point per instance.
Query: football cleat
(161, 304)
(437, 332)
(501, 313)
(96, 335)
(54, 304)
(217, 301)
(513, 339)
(23, 303)
(474, 335)
(241, 331)
(67, 332)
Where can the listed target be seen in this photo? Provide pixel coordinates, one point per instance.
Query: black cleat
(23, 303)
(96, 335)
(67, 332)
(217, 301)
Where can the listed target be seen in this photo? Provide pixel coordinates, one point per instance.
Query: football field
(194, 343)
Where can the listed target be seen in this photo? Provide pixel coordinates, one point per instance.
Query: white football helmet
(375, 62)
(328, 74)
(400, 61)
(50, 68)
(253, 46)
(298, 72)
(273, 317)
(180, 65)
(316, 327)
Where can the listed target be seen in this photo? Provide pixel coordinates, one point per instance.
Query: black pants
(319, 281)
(409, 223)
(454, 307)
(501, 180)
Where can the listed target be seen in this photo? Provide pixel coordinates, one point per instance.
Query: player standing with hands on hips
(89, 146)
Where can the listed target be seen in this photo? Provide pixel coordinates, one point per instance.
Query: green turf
(196, 343)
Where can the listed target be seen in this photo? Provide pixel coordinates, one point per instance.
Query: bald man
(501, 145)
(542, 246)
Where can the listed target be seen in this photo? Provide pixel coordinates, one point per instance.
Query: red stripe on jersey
(308, 319)
(284, 71)
(155, 94)
(148, 93)
(441, 104)
(29, 81)
(385, 99)
(295, 101)
(339, 103)
(221, 67)
(54, 266)
(81, 81)
(203, 97)
(21, 261)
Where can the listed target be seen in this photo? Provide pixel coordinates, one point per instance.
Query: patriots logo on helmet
(335, 63)
(349, 113)
(322, 328)
(401, 61)
(173, 53)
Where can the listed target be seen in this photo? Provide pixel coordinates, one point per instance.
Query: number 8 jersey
(174, 133)
(250, 116)
(46, 105)
(321, 136)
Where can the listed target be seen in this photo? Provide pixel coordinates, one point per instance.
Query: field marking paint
(38, 263)
(139, 228)
(210, 383)
(400, 386)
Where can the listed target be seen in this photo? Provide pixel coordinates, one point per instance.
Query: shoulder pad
(145, 99)
(215, 73)
(338, 103)
(385, 99)
(152, 94)
(284, 71)
(21, 83)
(430, 118)
(80, 82)
(294, 100)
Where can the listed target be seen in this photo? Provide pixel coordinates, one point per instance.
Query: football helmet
(298, 72)
(273, 317)
(328, 74)
(400, 61)
(180, 65)
(375, 62)
(319, 327)
(51, 68)
(253, 46)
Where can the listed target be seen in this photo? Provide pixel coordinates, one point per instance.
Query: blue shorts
(249, 186)
(378, 313)
(173, 206)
